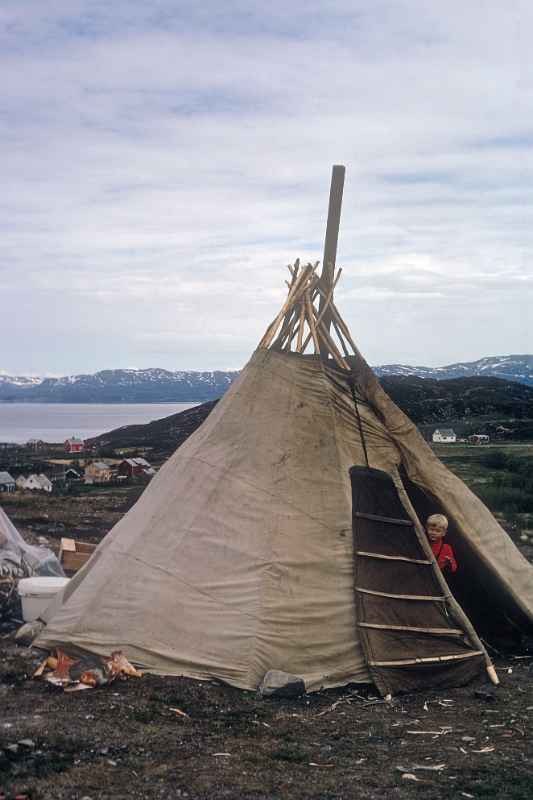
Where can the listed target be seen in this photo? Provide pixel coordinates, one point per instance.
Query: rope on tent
(359, 421)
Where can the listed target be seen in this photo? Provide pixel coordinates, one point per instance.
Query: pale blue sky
(162, 162)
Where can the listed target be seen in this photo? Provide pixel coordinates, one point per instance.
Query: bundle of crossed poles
(300, 322)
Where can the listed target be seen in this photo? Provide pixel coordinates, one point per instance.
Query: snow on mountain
(20, 380)
(517, 368)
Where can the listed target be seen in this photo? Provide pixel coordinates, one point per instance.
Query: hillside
(425, 401)
(162, 436)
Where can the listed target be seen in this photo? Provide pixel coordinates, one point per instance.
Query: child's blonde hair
(438, 519)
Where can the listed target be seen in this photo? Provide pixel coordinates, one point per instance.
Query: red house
(74, 445)
(135, 467)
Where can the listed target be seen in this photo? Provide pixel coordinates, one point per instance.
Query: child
(436, 527)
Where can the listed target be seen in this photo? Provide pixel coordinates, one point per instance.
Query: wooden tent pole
(332, 235)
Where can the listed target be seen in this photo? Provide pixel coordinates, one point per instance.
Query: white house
(444, 435)
(38, 482)
(7, 482)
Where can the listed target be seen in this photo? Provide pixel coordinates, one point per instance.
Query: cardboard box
(73, 554)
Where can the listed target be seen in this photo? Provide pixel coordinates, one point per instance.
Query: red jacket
(444, 555)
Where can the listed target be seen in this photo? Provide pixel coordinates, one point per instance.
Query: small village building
(503, 433)
(98, 472)
(35, 444)
(7, 482)
(68, 475)
(479, 438)
(74, 445)
(39, 483)
(135, 468)
(444, 435)
(21, 482)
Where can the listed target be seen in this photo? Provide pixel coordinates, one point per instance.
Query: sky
(162, 162)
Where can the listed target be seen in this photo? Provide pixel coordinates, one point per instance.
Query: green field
(501, 475)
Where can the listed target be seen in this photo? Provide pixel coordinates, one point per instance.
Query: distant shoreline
(54, 422)
(194, 401)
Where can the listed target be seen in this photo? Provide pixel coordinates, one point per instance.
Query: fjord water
(55, 422)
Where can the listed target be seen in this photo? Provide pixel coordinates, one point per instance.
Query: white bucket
(37, 593)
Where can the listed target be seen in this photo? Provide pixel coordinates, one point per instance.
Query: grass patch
(506, 499)
(501, 477)
(511, 489)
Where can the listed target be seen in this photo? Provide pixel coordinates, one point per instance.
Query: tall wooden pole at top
(332, 234)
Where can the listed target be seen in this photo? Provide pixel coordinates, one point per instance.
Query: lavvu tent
(285, 533)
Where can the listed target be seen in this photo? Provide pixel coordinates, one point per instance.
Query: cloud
(163, 161)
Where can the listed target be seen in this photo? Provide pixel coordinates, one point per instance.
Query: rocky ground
(177, 738)
(131, 741)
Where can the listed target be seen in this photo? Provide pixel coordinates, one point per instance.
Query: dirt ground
(128, 740)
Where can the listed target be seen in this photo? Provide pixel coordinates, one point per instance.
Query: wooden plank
(394, 558)
(440, 631)
(390, 520)
(325, 307)
(406, 662)
(300, 329)
(332, 233)
(429, 598)
(342, 325)
(290, 313)
(341, 339)
(311, 321)
(292, 324)
(285, 328)
(331, 346)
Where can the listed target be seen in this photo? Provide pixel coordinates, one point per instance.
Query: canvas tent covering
(284, 534)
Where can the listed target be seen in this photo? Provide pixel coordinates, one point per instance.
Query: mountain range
(159, 385)
(118, 386)
(518, 368)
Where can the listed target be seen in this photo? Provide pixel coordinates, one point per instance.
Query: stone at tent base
(27, 632)
(281, 684)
